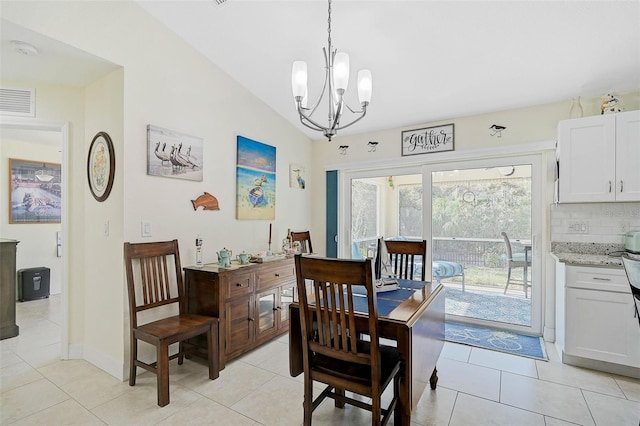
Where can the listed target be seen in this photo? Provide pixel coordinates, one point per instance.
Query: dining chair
(304, 237)
(331, 351)
(632, 268)
(407, 258)
(516, 260)
(154, 280)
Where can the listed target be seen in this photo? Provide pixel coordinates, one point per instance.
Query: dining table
(412, 316)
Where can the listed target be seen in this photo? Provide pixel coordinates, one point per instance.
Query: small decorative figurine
(496, 129)
(610, 104)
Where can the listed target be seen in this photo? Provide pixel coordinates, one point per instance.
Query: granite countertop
(588, 254)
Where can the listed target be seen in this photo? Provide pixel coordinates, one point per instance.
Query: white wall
(166, 83)
(37, 245)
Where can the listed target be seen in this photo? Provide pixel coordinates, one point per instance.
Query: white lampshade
(365, 86)
(341, 71)
(299, 78)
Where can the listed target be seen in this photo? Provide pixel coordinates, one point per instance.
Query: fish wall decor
(207, 201)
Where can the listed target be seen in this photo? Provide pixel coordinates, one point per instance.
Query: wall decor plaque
(427, 140)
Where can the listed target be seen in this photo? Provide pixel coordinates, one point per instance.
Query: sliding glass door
(462, 209)
(483, 230)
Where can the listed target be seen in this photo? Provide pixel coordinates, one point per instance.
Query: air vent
(20, 102)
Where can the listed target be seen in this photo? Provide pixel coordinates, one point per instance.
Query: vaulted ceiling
(430, 60)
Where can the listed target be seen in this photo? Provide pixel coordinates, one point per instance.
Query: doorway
(51, 134)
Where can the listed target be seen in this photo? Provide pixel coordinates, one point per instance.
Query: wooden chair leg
(339, 404)
(376, 410)
(180, 353)
(308, 400)
(132, 360)
(162, 372)
(212, 342)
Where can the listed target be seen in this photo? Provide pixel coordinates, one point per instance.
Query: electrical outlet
(623, 227)
(578, 227)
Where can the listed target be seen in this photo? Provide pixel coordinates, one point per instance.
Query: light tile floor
(476, 387)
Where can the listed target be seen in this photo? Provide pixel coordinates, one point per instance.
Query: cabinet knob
(609, 186)
(277, 275)
(250, 319)
(238, 284)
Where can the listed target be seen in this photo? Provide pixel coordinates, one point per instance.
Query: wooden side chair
(154, 280)
(516, 260)
(632, 269)
(304, 237)
(407, 258)
(331, 351)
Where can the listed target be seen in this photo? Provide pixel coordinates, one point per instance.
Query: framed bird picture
(174, 154)
(297, 176)
(428, 140)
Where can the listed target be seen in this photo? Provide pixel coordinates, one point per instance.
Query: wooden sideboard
(251, 301)
(8, 326)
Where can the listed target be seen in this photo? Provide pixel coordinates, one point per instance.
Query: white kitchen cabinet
(599, 322)
(599, 158)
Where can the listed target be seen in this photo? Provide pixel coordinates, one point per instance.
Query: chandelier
(336, 81)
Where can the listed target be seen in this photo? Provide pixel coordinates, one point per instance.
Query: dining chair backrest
(154, 277)
(304, 237)
(330, 303)
(407, 258)
(632, 269)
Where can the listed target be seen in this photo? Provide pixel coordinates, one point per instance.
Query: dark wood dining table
(413, 317)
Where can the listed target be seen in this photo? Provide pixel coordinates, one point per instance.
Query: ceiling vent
(21, 102)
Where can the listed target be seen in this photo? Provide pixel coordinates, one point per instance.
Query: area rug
(487, 306)
(496, 340)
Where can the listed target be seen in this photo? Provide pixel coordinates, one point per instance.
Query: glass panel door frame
(344, 199)
(538, 221)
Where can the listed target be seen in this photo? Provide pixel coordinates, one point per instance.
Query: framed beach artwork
(255, 180)
(174, 154)
(297, 176)
(35, 192)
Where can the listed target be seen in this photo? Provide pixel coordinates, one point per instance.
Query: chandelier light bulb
(299, 79)
(341, 71)
(365, 86)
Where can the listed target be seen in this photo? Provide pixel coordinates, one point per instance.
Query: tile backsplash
(594, 222)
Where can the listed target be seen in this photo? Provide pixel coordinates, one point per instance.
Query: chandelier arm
(364, 112)
(324, 86)
(304, 119)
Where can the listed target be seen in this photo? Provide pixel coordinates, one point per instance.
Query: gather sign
(427, 140)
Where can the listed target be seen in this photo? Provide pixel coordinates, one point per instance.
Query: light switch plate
(146, 229)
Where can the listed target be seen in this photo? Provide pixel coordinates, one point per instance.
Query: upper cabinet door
(628, 156)
(587, 159)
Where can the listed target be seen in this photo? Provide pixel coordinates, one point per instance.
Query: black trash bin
(33, 283)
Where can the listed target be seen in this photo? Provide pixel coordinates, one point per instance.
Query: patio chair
(516, 260)
(632, 268)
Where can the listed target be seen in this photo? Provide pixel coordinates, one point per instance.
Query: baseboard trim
(608, 367)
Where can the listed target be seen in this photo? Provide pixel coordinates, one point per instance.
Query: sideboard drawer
(238, 285)
(273, 275)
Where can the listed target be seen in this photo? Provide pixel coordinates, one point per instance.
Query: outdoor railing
(481, 252)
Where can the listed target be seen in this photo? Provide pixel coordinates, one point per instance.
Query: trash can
(33, 283)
